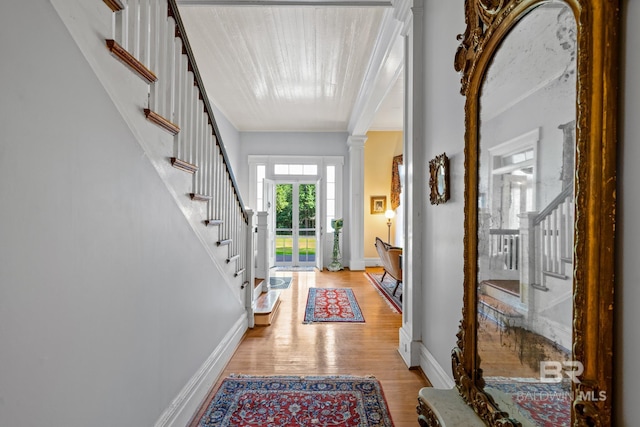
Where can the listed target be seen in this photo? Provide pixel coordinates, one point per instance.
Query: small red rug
(343, 401)
(332, 305)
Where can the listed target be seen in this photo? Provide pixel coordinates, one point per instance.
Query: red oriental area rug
(332, 305)
(343, 401)
(544, 404)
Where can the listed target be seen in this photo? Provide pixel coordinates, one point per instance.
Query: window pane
(331, 174)
(295, 169)
(331, 208)
(331, 191)
(261, 171)
(310, 170)
(281, 169)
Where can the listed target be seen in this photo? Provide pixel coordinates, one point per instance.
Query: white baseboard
(357, 264)
(372, 262)
(187, 402)
(438, 377)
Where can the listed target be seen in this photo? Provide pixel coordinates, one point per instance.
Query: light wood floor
(289, 347)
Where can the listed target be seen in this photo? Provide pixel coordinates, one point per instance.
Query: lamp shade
(389, 214)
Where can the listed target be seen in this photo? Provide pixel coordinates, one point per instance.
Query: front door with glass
(296, 213)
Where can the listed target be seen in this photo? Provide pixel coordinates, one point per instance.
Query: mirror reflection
(441, 180)
(526, 217)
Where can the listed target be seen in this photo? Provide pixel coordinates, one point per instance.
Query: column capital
(356, 141)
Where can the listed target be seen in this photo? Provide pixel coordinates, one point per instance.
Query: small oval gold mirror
(439, 179)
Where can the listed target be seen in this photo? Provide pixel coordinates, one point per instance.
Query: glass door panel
(296, 212)
(307, 223)
(284, 224)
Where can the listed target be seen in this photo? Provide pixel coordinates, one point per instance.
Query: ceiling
(300, 66)
(517, 70)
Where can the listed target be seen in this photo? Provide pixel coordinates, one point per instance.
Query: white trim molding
(372, 262)
(356, 200)
(436, 374)
(186, 403)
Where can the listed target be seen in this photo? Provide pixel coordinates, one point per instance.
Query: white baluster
(198, 142)
(133, 24)
(188, 117)
(171, 79)
(184, 107)
(122, 26)
(177, 94)
(158, 55)
(209, 156)
(144, 33)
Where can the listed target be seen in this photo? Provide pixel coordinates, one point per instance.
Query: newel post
(527, 261)
(262, 257)
(250, 275)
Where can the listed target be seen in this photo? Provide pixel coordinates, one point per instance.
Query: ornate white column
(415, 181)
(356, 201)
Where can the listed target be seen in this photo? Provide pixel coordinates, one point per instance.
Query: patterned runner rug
(332, 305)
(385, 288)
(288, 401)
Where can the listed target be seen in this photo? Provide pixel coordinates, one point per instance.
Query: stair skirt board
(185, 405)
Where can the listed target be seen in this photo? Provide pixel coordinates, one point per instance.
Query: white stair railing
(553, 231)
(504, 249)
(149, 36)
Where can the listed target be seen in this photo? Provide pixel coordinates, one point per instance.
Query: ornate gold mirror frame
(488, 22)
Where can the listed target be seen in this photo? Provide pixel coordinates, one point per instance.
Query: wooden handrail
(181, 32)
(560, 198)
(504, 232)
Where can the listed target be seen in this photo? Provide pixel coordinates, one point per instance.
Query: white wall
(290, 144)
(109, 304)
(627, 337)
(231, 140)
(444, 132)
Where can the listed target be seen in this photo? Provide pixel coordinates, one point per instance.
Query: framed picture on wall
(378, 204)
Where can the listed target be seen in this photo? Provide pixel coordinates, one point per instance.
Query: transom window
(294, 169)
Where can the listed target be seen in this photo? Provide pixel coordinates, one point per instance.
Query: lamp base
(335, 266)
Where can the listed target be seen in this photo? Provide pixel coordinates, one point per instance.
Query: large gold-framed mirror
(540, 80)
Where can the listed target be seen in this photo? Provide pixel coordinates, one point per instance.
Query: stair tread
(267, 302)
(556, 275)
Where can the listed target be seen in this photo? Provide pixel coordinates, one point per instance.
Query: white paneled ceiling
(517, 71)
(291, 68)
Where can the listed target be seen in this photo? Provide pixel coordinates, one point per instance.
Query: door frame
(322, 162)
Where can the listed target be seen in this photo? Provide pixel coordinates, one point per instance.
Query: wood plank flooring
(289, 347)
